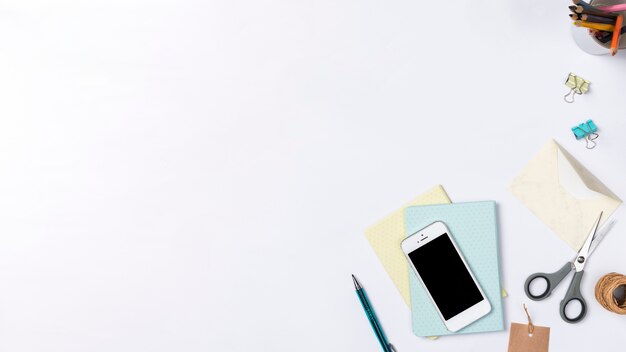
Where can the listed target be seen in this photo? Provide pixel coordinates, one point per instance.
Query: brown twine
(605, 289)
(531, 327)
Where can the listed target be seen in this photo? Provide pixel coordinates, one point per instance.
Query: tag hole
(530, 335)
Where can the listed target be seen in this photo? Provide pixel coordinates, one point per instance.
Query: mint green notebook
(475, 230)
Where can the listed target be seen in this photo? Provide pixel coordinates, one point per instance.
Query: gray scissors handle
(552, 280)
(573, 294)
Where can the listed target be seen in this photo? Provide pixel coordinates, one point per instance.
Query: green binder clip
(577, 85)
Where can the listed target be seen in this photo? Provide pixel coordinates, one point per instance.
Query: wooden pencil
(600, 13)
(583, 4)
(598, 26)
(617, 31)
(575, 16)
(613, 8)
(592, 11)
(596, 19)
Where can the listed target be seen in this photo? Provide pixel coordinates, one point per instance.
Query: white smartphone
(445, 275)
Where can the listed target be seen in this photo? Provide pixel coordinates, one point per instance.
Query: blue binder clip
(587, 131)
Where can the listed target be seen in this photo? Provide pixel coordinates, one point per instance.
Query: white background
(197, 175)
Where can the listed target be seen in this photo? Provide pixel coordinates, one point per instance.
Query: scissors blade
(600, 236)
(581, 259)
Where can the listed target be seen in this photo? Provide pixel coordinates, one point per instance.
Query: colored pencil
(616, 34)
(575, 16)
(592, 11)
(596, 19)
(583, 4)
(613, 8)
(601, 13)
(598, 26)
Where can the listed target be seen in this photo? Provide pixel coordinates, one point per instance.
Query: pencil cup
(590, 44)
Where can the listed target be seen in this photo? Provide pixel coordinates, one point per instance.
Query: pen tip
(357, 285)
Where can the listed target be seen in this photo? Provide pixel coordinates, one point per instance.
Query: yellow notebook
(386, 235)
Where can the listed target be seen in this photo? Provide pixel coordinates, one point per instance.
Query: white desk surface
(196, 176)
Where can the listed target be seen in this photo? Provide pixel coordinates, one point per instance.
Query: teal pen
(371, 316)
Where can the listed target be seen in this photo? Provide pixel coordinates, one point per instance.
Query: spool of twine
(605, 292)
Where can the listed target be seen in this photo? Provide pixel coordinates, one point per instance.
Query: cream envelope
(563, 194)
(386, 235)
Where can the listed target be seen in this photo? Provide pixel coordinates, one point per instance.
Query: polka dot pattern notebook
(475, 230)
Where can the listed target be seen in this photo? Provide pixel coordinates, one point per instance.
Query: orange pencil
(616, 34)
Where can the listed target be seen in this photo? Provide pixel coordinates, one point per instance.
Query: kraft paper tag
(520, 341)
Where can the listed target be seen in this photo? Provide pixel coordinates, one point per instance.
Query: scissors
(577, 264)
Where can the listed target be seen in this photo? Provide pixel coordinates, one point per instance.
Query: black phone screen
(445, 276)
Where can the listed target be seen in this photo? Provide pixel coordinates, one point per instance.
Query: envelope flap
(577, 180)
